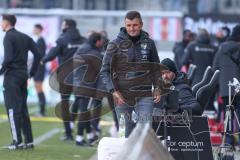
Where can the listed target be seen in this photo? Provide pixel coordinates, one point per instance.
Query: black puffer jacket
(143, 50)
(186, 100)
(89, 49)
(228, 68)
(63, 50)
(200, 53)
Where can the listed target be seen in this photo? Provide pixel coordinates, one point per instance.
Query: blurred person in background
(70, 36)
(179, 47)
(113, 130)
(228, 70)
(39, 76)
(201, 53)
(15, 70)
(93, 46)
(222, 35)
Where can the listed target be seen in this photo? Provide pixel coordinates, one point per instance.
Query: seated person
(186, 100)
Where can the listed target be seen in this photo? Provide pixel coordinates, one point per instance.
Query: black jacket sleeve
(8, 53)
(36, 57)
(217, 59)
(105, 72)
(155, 58)
(42, 46)
(186, 60)
(154, 53)
(54, 52)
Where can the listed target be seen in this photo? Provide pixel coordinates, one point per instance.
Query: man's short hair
(10, 18)
(38, 26)
(94, 37)
(71, 22)
(186, 31)
(133, 14)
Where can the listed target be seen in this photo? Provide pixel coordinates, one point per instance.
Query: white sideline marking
(46, 136)
(41, 138)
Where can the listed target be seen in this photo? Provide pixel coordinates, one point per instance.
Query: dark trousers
(95, 115)
(66, 115)
(65, 105)
(84, 115)
(15, 98)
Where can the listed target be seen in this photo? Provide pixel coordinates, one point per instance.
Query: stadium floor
(47, 131)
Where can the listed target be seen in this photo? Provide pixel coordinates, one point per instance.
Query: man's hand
(118, 98)
(156, 95)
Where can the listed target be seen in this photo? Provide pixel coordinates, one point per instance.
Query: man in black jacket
(39, 76)
(132, 45)
(179, 80)
(200, 53)
(91, 47)
(14, 67)
(179, 48)
(64, 51)
(228, 70)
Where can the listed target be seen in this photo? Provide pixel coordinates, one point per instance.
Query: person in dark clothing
(39, 76)
(92, 46)
(200, 53)
(179, 48)
(222, 35)
(228, 70)
(110, 99)
(141, 49)
(63, 51)
(15, 70)
(179, 80)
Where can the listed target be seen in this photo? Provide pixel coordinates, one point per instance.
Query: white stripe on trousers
(12, 124)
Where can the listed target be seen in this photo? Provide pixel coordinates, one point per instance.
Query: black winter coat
(144, 50)
(200, 53)
(186, 100)
(90, 49)
(185, 92)
(178, 51)
(228, 68)
(63, 50)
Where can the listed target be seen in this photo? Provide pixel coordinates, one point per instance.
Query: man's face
(36, 31)
(168, 76)
(64, 26)
(4, 25)
(99, 43)
(133, 26)
(188, 37)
